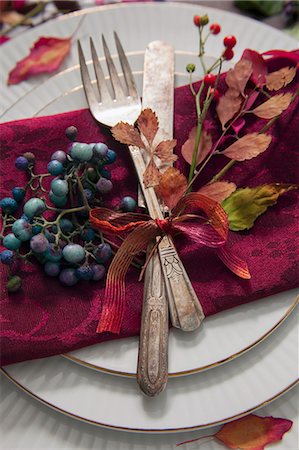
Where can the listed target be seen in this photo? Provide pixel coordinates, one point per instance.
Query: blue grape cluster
(52, 225)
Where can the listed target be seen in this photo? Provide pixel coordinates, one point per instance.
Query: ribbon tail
(114, 303)
(237, 265)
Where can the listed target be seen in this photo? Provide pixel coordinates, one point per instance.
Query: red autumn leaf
(228, 105)
(248, 146)
(253, 432)
(148, 124)
(205, 145)
(151, 176)
(238, 77)
(218, 191)
(291, 56)
(45, 56)
(127, 134)
(164, 151)
(280, 78)
(273, 107)
(259, 66)
(171, 187)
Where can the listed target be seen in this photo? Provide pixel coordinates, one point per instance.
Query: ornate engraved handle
(152, 370)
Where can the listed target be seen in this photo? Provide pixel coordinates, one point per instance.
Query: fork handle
(185, 310)
(152, 370)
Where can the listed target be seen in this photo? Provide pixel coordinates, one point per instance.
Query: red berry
(228, 54)
(229, 41)
(215, 94)
(215, 28)
(196, 20)
(210, 79)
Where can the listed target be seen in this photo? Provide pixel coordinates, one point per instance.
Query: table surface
(26, 423)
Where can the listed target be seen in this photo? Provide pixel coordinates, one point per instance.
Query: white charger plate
(238, 330)
(212, 397)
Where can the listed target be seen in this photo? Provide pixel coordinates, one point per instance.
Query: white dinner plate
(238, 330)
(198, 401)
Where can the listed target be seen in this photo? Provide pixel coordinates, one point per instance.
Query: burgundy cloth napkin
(46, 318)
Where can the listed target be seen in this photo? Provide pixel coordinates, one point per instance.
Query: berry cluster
(53, 226)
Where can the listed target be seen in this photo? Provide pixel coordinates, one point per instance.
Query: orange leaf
(45, 56)
(205, 145)
(164, 151)
(280, 78)
(127, 134)
(218, 191)
(171, 187)
(248, 146)
(238, 77)
(228, 105)
(253, 432)
(148, 124)
(273, 107)
(151, 176)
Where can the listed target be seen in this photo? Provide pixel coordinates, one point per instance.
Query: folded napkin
(46, 318)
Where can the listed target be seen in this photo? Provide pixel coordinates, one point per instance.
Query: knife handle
(152, 370)
(185, 310)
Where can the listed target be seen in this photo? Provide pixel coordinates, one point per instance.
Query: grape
(128, 204)
(71, 133)
(22, 229)
(110, 157)
(66, 226)
(50, 236)
(92, 174)
(98, 272)
(59, 187)
(60, 156)
(14, 283)
(8, 205)
(68, 277)
(57, 201)
(18, 194)
(11, 242)
(106, 174)
(21, 163)
(88, 234)
(85, 272)
(103, 253)
(88, 194)
(39, 243)
(100, 150)
(53, 253)
(34, 207)
(52, 269)
(36, 229)
(104, 186)
(82, 152)
(30, 157)
(55, 167)
(7, 257)
(73, 253)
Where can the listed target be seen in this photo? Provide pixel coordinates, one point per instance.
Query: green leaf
(246, 204)
(262, 7)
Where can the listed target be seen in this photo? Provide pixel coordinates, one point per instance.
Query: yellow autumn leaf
(280, 78)
(273, 107)
(248, 146)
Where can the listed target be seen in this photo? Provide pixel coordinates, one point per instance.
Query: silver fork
(185, 310)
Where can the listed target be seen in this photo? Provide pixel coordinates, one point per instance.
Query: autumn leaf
(238, 77)
(171, 187)
(13, 18)
(205, 145)
(253, 432)
(280, 78)
(248, 146)
(218, 191)
(164, 151)
(148, 124)
(127, 134)
(259, 66)
(273, 107)
(45, 56)
(228, 105)
(245, 205)
(151, 176)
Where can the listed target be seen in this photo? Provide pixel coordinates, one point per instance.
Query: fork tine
(128, 75)
(89, 91)
(115, 81)
(102, 85)
(130, 82)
